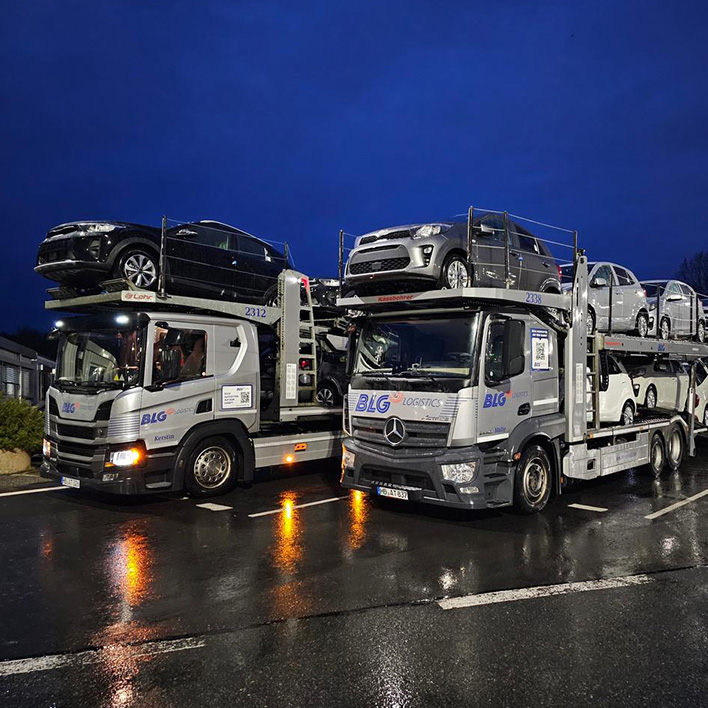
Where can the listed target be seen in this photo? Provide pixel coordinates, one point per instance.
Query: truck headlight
(46, 448)
(348, 459)
(460, 472)
(125, 458)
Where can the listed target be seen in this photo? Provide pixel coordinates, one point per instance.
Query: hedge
(21, 426)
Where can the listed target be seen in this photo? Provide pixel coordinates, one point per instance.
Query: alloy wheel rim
(628, 415)
(705, 416)
(457, 274)
(657, 456)
(590, 325)
(674, 447)
(212, 467)
(701, 334)
(643, 326)
(664, 329)
(140, 270)
(651, 399)
(325, 397)
(535, 481)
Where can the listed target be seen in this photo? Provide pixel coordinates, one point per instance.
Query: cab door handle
(524, 409)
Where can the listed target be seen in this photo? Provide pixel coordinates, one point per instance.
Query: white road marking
(214, 507)
(32, 491)
(677, 505)
(587, 507)
(491, 598)
(94, 656)
(296, 506)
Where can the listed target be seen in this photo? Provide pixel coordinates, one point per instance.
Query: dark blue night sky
(294, 119)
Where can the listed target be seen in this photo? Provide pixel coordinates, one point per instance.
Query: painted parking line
(587, 507)
(492, 598)
(296, 506)
(32, 491)
(677, 505)
(214, 507)
(94, 656)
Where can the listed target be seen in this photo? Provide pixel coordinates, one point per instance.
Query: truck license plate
(69, 482)
(393, 493)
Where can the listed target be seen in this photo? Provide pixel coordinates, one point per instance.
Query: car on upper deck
(614, 291)
(205, 258)
(435, 255)
(676, 309)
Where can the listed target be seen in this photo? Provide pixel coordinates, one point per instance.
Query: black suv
(203, 257)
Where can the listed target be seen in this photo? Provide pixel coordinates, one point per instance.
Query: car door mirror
(674, 297)
(186, 233)
(598, 283)
(486, 229)
(513, 355)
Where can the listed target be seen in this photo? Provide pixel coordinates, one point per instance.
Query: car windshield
(99, 359)
(417, 347)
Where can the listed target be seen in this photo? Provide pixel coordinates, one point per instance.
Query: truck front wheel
(532, 480)
(212, 468)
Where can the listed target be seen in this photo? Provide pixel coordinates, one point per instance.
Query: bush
(21, 426)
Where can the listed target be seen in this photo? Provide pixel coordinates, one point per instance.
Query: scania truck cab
(479, 398)
(155, 394)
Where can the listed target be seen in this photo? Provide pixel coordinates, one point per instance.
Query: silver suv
(677, 309)
(613, 284)
(437, 254)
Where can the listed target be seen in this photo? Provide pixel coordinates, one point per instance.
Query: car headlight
(125, 458)
(460, 472)
(428, 230)
(348, 459)
(98, 228)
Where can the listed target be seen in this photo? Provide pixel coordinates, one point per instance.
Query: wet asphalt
(161, 602)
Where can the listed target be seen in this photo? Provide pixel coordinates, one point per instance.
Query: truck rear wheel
(532, 480)
(212, 468)
(657, 455)
(675, 448)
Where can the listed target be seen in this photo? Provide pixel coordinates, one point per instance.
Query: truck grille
(75, 431)
(418, 434)
(394, 476)
(363, 267)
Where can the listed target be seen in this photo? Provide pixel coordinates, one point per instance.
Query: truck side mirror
(513, 354)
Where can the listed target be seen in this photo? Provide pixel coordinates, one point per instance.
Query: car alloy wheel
(642, 325)
(590, 324)
(651, 397)
(665, 328)
(456, 274)
(705, 416)
(140, 270)
(701, 332)
(628, 414)
(325, 397)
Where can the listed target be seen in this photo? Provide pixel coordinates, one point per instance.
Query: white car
(675, 309)
(701, 406)
(660, 384)
(617, 403)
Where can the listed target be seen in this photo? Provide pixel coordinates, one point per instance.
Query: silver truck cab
(431, 395)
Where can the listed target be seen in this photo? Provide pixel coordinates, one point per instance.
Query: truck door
(179, 382)
(504, 379)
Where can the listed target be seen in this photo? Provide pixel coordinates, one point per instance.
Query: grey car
(616, 285)
(435, 254)
(676, 309)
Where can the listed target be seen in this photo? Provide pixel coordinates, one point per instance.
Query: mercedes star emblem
(394, 431)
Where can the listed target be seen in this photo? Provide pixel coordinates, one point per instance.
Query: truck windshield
(99, 359)
(440, 347)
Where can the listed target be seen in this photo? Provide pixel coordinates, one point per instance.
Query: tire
(701, 332)
(213, 468)
(270, 299)
(327, 395)
(590, 323)
(705, 416)
(642, 328)
(139, 266)
(532, 480)
(657, 455)
(675, 448)
(455, 272)
(650, 399)
(665, 328)
(627, 417)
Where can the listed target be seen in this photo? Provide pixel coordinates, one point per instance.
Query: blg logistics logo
(69, 407)
(498, 400)
(371, 403)
(161, 416)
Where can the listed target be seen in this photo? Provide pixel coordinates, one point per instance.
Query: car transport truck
(482, 397)
(155, 392)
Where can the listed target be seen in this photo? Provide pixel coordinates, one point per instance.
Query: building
(23, 372)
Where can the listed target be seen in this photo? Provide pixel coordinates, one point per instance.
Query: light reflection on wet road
(86, 574)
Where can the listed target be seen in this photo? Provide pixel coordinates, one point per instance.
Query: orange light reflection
(358, 513)
(287, 550)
